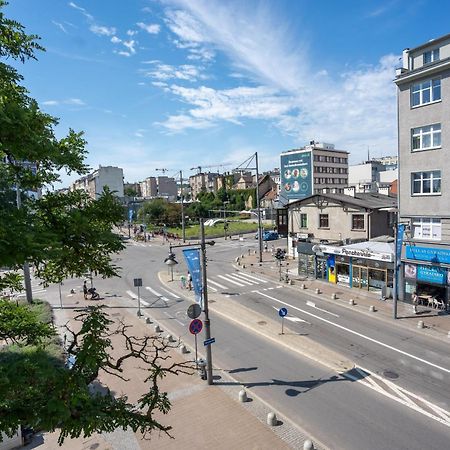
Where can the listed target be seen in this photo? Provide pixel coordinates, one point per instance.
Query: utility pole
(26, 267)
(205, 304)
(183, 225)
(259, 210)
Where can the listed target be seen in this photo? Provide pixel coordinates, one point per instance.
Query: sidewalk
(436, 322)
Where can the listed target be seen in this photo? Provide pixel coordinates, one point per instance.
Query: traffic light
(280, 254)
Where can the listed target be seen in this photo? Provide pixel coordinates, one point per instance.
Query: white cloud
(130, 46)
(50, 103)
(60, 26)
(138, 134)
(186, 72)
(75, 101)
(176, 124)
(102, 31)
(82, 10)
(122, 53)
(131, 32)
(153, 28)
(116, 40)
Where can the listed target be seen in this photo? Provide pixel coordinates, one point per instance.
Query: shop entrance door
(321, 269)
(360, 278)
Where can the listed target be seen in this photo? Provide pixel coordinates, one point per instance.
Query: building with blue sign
(423, 84)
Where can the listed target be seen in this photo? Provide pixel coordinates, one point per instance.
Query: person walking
(85, 290)
(415, 301)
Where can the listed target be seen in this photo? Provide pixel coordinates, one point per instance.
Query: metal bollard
(372, 308)
(448, 334)
(147, 320)
(303, 286)
(420, 324)
(272, 419)
(183, 349)
(170, 338)
(351, 302)
(243, 396)
(201, 364)
(308, 445)
(158, 329)
(317, 291)
(333, 296)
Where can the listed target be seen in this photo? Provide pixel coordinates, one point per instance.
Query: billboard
(296, 175)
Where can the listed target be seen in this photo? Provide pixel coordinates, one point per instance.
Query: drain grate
(390, 374)
(262, 322)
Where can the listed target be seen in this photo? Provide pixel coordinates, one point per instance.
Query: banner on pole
(399, 243)
(192, 258)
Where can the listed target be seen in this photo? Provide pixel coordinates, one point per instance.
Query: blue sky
(181, 83)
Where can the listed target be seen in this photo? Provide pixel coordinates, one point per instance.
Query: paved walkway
(436, 322)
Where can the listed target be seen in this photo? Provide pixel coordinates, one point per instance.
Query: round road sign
(282, 312)
(194, 311)
(196, 326)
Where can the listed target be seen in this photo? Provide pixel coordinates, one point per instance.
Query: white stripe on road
(292, 319)
(313, 305)
(252, 277)
(135, 297)
(216, 284)
(156, 293)
(231, 281)
(243, 279)
(212, 288)
(402, 352)
(235, 277)
(174, 318)
(170, 293)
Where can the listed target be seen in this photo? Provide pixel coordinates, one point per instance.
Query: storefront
(365, 265)
(426, 271)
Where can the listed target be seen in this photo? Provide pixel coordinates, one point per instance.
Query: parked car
(268, 236)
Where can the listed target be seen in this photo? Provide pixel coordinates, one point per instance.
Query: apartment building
(203, 182)
(424, 171)
(149, 188)
(94, 182)
(313, 169)
(371, 176)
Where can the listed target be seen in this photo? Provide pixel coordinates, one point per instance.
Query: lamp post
(171, 261)
(203, 243)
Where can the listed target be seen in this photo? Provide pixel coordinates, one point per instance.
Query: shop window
(303, 220)
(357, 221)
(323, 221)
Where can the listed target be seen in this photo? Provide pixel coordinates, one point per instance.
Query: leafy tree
(130, 192)
(153, 211)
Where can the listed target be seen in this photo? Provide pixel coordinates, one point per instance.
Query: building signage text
(358, 253)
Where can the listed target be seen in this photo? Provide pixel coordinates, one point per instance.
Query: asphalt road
(354, 410)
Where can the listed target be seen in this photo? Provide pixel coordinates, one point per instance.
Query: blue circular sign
(196, 326)
(282, 312)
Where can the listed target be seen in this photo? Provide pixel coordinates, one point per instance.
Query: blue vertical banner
(192, 258)
(130, 215)
(399, 243)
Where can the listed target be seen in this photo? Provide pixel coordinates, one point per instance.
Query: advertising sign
(331, 265)
(296, 175)
(130, 215)
(192, 258)
(399, 243)
(436, 255)
(357, 253)
(430, 274)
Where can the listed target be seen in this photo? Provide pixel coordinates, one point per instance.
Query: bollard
(272, 419)
(255, 252)
(183, 349)
(308, 445)
(242, 256)
(448, 335)
(333, 296)
(158, 329)
(243, 266)
(147, 320)
(351, 302)
(243, 396)
(237, 259)
(317, 291)
(290, 282)
(170, 338)
(372, 308)
(303, 286)
(420, 324)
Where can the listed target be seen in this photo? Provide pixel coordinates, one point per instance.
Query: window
(357, 221)
(431, 56)
(426, 183)
(426, 137)
(303, 220)
(427, 228)
(323, 221)
(426, 92)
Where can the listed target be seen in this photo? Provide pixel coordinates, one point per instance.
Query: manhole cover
(390, 374)
(261, 322)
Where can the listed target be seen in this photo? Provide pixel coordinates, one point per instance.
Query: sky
(177, 84)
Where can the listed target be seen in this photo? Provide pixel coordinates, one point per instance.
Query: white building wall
(111, 177)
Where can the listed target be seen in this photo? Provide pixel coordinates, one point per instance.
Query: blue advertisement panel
(192, 258)
(399, 243)
(130, 215)
(296, 175)
(430, 274)
(436, 255)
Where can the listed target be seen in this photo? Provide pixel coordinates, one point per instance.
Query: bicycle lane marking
(356, 333)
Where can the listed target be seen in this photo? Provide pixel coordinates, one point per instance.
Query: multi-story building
(313, 169)
(389, 162)
(135, 187)
(424, 171)
(149, 188)
(167, 187)
(203, 182)
(94, 182)
(372, 176)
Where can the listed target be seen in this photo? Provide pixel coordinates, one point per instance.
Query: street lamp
(171, 261)
(202, 247)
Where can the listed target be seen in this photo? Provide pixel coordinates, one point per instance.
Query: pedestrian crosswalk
(36, 288)
(233, 279)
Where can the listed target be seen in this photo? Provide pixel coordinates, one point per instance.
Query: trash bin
(201, 364)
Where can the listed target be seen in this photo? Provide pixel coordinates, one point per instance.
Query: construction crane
(199, 168)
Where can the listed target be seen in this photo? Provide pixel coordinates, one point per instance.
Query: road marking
(132, 294)
(212, 288)
(252, 277)
(170, 293)
(292, 319)
(157, 293)
(174, 318)
(231, 281)
(248, 283)
(244, 280)
(356, 333)
(313, 305)
(217, 284)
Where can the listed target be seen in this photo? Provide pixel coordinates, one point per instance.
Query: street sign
(137, 282)
(194, 311)
(282, 312)
(195, 326)
(209, 341)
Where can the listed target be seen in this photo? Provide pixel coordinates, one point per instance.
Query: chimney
(405, 58)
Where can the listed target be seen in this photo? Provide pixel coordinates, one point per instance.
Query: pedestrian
(415, 301)
(85, 290)
(189, 280)
(183, 282)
